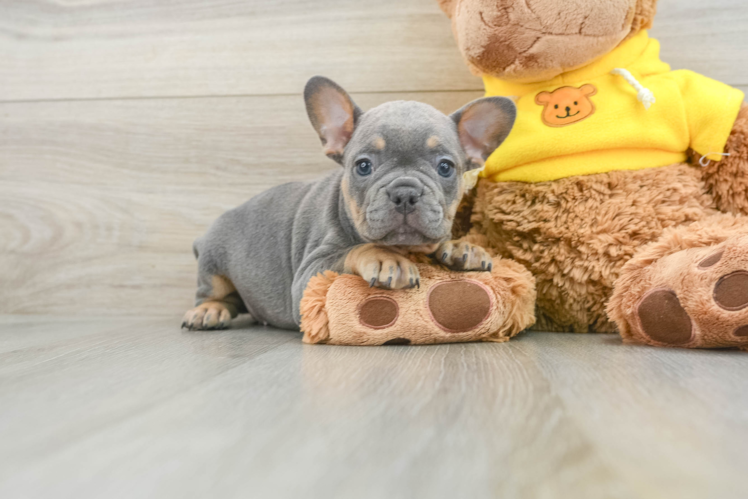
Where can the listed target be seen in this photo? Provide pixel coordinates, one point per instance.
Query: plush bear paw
(463, 256)
(693, 298)
(449, 306)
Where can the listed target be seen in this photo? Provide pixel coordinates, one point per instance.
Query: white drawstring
(708, 161)
(644, 94)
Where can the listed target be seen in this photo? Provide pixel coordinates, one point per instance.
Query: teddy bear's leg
(688, 289)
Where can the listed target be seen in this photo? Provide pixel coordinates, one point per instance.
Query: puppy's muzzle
(405, 192)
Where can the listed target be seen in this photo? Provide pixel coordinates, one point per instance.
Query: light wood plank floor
(134, 407)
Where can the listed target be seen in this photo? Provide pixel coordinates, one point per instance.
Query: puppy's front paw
(382, 267)
(463, 256)
(211, 315)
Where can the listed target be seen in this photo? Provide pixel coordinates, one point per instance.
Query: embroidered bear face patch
(566, 105)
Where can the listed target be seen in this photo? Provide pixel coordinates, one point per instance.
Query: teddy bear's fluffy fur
(622, 250)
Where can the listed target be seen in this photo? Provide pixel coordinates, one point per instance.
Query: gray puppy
(398, 191)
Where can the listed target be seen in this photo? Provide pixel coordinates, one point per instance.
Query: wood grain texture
(118, 48)
(139, 409)
(100, 200)
(653, 406)
(706, 37)
(106, 48)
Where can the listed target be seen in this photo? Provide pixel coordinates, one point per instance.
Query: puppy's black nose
(568, 109)
(405, 193)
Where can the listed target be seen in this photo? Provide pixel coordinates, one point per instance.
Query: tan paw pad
(731, 291)
(711, 260)
(378, 312)
(663, 318)
(741, 331)
(459, 306)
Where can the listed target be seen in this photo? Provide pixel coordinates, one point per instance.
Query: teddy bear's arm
(727, 180)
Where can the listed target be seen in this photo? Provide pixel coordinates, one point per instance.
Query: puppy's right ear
(333, 114)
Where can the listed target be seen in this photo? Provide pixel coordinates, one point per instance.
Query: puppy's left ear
(483, 125)
(333, 114)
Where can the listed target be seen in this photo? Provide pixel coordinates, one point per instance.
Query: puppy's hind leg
(218, 302)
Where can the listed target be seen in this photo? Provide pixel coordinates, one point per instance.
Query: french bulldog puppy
(397, 192)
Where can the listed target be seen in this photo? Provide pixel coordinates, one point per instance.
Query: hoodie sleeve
(711, 109)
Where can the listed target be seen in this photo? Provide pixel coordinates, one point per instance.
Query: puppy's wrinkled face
(404, 161)
(403, 174)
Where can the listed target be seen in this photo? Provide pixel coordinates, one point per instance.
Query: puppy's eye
(445, 168)
(363, 167)
(556, 106)
(575, 103)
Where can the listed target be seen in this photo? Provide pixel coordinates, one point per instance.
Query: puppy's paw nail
(483, 264)
(389, 282)
(411, 282)
(464, 257)
(371, 283)
(444, 256)
(418, 282)
(490, 266)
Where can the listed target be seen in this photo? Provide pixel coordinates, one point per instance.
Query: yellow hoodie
(590, 120)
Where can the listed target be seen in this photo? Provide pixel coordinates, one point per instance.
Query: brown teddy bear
(623, 186)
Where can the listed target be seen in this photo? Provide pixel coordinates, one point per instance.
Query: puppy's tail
(195, 248)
